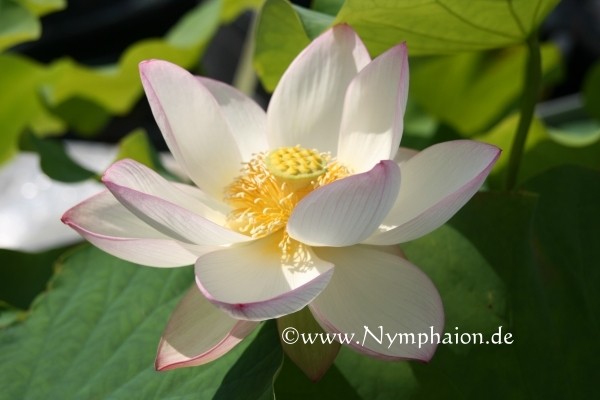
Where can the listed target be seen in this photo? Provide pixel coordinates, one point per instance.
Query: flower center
(263, 197)
(295, 166)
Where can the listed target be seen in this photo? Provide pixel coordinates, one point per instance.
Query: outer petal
(247, 121)
(108, 225)
(347, 211)
(372, 121)
(198, 333)
(165, 207)
(192, 124)
(306, 107)
(253, 282)
(377, 292)
(436, 183)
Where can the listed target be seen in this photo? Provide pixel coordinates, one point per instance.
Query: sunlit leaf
(19, 19)
(429, 28)
(314, 22)
(279, 28)
(445, 26)
(233, 8)
(94, 335)
(470, 91)
(195, 28)
(17, 24)
(20, 103)
(137, 146)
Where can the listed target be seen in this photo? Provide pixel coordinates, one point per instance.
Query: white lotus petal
(436, 183)
(137, 176)
(346, 211)
(384, 293)
(108, 225)
(373, 117)
(197, 333)
(247, 121)
(306, 107)
(192, 124)
(253, 282)
(167, 208)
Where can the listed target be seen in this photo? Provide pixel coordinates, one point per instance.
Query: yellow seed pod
(296, 166)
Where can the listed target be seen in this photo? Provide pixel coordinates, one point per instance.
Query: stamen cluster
(264, 196)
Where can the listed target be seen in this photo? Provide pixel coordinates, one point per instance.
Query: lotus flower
(295, 207)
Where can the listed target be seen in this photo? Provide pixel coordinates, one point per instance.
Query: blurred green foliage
(65, 94)
(591, 91)
(19, 19)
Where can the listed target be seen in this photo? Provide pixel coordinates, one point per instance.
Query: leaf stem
(245, 78)
(531, 90)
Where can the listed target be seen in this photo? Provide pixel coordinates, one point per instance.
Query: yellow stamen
(264, 196)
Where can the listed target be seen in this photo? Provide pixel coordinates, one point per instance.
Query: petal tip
(159, 363)
(162, 362)
(145, 66)
(66, 217)
(152, 62)
(144, 63)
(343, 27)
(344, 31)
(401, 49)
(493, 151)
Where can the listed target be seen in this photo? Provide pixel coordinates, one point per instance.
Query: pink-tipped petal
(108, 225)
(247, 121)
(374, 293)
(254, 282)
(436, 183)
(166, 207)
(306, 107)
(137, 176)
(192, 124)
(373, 117)
(347, 211)
(198, 333)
